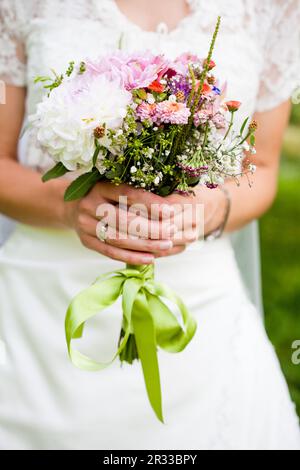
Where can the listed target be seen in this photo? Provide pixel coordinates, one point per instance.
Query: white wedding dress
(226, 390)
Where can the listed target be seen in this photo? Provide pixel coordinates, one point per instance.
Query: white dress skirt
(226, 390)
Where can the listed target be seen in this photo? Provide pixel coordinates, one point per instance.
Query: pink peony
(132, 71)
(172, 113)
(181, 64)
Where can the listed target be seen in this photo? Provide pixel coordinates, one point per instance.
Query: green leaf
(244, 126)
(161, 96)
(55, 172)
(192, 182)
(252, 140)
(96, 154)
(82, 185)
(165, 191)
(141, 93)
(42, 79)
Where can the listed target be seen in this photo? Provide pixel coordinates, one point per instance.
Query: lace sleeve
(12, 54)
(281, 71)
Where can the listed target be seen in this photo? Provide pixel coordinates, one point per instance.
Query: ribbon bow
(144, 314)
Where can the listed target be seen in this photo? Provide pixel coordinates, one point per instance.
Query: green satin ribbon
(144, 314)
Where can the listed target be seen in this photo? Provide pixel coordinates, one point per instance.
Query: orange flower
(205, 89)
(233, 106)
(157, 87)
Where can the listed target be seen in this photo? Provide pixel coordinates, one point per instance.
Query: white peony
(65, 121)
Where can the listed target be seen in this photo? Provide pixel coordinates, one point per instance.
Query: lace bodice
(257, 51)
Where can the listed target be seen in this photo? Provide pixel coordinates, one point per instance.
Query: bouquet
(153, 123)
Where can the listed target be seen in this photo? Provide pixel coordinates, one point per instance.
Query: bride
(226, 390)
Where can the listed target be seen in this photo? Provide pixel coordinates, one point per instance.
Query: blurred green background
(280, 238)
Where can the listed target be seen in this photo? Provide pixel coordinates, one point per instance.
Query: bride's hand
(123, 242)
(189, 217)
(196, 215)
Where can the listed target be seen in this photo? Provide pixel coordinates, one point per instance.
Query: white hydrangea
(65, 121)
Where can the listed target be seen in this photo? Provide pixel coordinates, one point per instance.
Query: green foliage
(244, 125)
(280, 235)
(82, 68)
(50, 83)
(55, 172)
(70, 69)
(54, 81)
(296, 115)
(82, 185)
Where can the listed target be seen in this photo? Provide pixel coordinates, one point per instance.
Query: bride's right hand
(84, 216)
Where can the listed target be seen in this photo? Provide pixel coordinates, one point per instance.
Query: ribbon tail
(170, 335)
(85, 306)
(145, 335)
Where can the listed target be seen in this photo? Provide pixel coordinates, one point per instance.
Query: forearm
(250, 202)
(250, 199)
(25, 198)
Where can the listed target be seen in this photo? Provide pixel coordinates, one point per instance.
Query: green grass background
(280, 239)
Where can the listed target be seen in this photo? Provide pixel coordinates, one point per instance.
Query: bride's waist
(36, 250)
(43, 243)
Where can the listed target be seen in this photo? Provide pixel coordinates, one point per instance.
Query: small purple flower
(180, 84)
(182, 192)
(192, 170)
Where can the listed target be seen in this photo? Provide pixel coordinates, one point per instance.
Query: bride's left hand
(195, 215)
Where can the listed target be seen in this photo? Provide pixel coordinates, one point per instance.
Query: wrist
(216, 224)
(65, 211)
(70, 210)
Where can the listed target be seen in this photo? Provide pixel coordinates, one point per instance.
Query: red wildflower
(206, 89)
(211, 66)
(157, 87)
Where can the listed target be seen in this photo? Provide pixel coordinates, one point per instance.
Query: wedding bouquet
(152, 123)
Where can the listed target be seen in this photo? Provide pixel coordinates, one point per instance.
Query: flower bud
(211, 64)
(99, 132)
(253, 126)
(233, 106)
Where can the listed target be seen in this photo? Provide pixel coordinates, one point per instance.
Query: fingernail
(134, 237)
(148, 260)
(167, 245)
